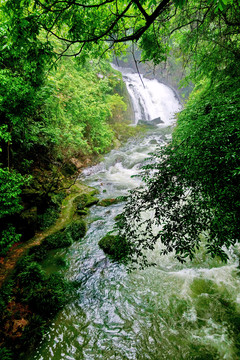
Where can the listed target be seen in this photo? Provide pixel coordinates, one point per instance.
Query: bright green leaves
(154, 48)
(8, 237)
(11, 183)
(80, 103)
(221, 5)
(5, 135)
(180, 3)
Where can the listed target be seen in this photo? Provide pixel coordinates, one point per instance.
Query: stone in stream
(85, 200)
(108, 202)
(153, 122)
(115, 246)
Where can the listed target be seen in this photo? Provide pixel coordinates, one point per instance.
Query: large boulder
(153, 122)
(85, 200)
(115, 246)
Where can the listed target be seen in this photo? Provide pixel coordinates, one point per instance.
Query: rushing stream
(170, 311)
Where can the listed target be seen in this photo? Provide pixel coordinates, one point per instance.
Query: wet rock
(115, 246)
(85, 200)
(153, 122)
(108, 202)
(157, 121)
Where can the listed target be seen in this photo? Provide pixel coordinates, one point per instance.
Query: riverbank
(22, 274)
(65, 217)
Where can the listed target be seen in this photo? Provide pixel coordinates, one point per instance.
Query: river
(170, 311)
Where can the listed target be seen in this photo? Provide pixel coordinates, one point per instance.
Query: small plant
(5, 354)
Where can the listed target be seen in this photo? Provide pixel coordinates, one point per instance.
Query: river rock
(114, 245)
(85, 200)
(153, 122)
(108, 202)
(157, 121)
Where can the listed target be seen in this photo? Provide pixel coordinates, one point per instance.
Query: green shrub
(5, 354)
(8, 237)
(76, 229)
(58, 240)
(31, 276)
(5, 295)
(51, 297)
(38, 252)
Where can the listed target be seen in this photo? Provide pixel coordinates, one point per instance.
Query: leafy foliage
(8, 238)
(192, 185)
(10, 190)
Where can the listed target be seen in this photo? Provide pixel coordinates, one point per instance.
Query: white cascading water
(150, 98)
(170, 311)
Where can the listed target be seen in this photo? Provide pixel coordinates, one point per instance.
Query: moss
(77, 229)
(60, 261)
(58, 240)
(85, 200)
(83, 212)
(124, 131)
(61, 239)
(108, 202)
(200, 286)
(115, 246)
(51, 214)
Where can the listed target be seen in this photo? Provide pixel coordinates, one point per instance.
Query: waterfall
(170, 311)
(150, 98)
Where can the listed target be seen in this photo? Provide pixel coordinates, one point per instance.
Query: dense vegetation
(59, 106)
(64, 113)
(51, 125)
(192, 185)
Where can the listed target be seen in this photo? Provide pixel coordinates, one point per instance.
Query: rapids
(170, 311)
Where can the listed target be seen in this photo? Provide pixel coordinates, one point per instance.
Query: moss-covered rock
(83, 212)
(108, 202)
(60, 239)
(85, 200)
(115, 246)
(76, 229)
